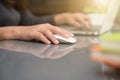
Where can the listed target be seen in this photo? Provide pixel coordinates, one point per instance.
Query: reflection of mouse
(64, 40)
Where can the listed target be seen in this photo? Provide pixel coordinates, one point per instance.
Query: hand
(74, 19)
(42, 32)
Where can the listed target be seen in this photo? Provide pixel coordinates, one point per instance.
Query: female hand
(42, 32)
(74, 19)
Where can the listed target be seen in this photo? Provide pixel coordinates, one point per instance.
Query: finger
(61, 32)
(42, 50)
(84, 21)
(88, 19)
(41, 37)
(74, 22)
(52, 50)
(60, 54)
(51, 37)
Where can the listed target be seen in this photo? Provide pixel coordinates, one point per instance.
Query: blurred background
(48, 7)
(44, 7)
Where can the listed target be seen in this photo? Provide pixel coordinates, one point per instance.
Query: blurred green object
(88, 9)
(110, 42)
(111, 37)
(110, 50)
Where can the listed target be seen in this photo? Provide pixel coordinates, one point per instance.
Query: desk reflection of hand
(36, 49)
(46, 53)
(59, 54)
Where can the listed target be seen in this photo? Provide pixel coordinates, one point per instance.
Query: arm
(27, 18)
(74, 19)
(42, 32)
(8, 33)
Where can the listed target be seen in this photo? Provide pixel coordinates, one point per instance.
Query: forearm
(61, 19)
(27, 18)
(8, 33)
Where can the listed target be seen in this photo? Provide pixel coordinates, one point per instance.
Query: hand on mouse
(41, 32)
(74, 19)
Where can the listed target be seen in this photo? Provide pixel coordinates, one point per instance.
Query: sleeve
(27, 18)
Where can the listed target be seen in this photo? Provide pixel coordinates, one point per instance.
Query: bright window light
(104, 2)
(97, 6)
(101, 2)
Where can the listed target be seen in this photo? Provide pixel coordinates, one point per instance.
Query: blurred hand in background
(74, 19)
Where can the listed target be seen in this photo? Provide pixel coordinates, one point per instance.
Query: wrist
(9, 33)
(61, 18)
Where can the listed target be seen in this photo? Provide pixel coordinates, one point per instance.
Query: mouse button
(73, 40)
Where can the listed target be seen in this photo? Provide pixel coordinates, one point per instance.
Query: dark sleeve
(27, 18)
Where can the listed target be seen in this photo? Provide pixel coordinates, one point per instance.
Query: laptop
(105, 25)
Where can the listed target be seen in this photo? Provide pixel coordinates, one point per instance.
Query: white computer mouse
(65, 40)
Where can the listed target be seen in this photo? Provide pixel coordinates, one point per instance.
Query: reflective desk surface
(22, 60)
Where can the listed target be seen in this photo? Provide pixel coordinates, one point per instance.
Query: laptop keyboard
(83, 30)
(89, 33)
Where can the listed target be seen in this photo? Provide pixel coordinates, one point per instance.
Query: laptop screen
(102, 20)
(110, 16)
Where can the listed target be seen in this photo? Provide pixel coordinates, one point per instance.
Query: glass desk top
(22, 60)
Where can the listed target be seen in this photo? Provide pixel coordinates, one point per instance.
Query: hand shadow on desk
(37, 49)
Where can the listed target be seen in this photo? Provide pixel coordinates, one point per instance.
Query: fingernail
(72, 34)
(56, 42)
(67, 35)
(48, 42)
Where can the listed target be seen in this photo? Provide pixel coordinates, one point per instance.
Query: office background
(47, 7)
